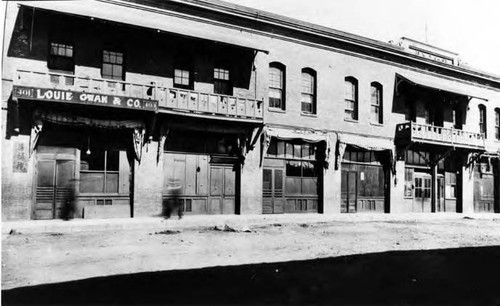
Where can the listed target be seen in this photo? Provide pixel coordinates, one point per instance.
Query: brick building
(124, 106)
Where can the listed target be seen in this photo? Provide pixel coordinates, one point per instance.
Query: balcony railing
(425, 133)
(170, 99)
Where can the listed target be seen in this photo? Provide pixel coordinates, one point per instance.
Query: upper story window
(457, 118)
(351, 98)
(112, 65)
(497, 123)
(61, 57)
(222, 81)
(376, 103)
(183, 78)
(277, 86)
(482, 119)
(308, 96)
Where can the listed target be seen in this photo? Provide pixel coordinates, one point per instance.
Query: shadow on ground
(468, 276)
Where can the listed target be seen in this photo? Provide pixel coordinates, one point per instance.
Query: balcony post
(434, 185)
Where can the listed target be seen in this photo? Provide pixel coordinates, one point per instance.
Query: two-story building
(114, 108)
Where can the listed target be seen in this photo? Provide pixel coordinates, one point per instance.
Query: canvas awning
(152, 18)
(310, 136)
(440, 84)
(365, 143)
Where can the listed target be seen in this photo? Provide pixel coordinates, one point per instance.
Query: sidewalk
(202, 221)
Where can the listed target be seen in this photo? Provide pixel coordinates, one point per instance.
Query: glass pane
(278, 179)
(91, 182)
(281, 149)
(289, 150)
(271, 151)
(297, 150)
(112, 160)
(92, 161)
(267, 179)
(112, 182)
(308, 169)
(293, 168)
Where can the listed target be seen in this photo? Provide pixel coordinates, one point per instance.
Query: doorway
(349, 191)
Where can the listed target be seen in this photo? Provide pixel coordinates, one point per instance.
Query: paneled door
(349, 191)
(272, 193)
(53, 190)
(222, 190)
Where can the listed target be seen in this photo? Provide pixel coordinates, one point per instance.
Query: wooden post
(434, 185)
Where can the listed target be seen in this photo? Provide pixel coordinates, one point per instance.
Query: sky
(469, 28)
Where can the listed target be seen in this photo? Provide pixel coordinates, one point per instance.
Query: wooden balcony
(423, 133)
(169, 100)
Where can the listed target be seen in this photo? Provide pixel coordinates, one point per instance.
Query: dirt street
(55, 257)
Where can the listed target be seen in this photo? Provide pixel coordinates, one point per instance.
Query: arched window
(376, 103)
(482, 119)
(351, 98)
(277, 86)
(308, 96)
(497, 123)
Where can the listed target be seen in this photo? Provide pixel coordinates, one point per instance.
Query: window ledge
(376, 124)
(351, 120)
(308, 115)
(276, 110)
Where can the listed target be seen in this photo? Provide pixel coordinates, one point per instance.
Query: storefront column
(434, 188)
(467, 182)
(331, 190)
(251, 184)
(148, 183)
(397, 185)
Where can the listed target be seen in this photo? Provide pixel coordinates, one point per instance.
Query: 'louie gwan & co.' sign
(68, 96)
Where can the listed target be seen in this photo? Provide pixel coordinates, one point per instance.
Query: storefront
(486, 184)
(293, 171)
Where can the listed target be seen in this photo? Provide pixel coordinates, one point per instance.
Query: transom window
(308, 99)
(222, 84)
(182, 78)
(99, 171)
(376, 103)
(61, 57)
(276, 86)
(112, 65)
(300, 157)
(351, 98)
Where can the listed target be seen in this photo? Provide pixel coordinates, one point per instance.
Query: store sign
(68, 96)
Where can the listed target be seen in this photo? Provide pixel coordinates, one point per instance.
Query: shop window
(113, 65)
(222, 81)
(376, 103)
(277, 86)
(182, 78)
(308, 91)
(99, 171)
(451, 185)
(61, 57)
(418, 158)
(497, 123)
(482, 119)
(351, 98)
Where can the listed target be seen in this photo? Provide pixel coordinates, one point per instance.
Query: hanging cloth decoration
(164, 130)
(36, 129)
(138, 139)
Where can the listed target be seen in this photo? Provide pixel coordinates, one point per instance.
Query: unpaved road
(39, 258)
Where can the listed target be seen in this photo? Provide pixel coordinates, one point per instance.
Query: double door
(423, 192)
(222, 189)
(273, 197)
(55, 189)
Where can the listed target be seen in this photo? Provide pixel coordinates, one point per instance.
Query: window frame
(105, 171)
(312, 93)
(122, 65)
(497, 124)
(52, 58)
(282, 89)
(373, 103)
(218, 68)
(482, 120)
(352, 99)
(190, 84)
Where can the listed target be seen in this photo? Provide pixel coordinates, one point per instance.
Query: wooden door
(273, 200)
(440, 205)
(422, 199)
(222, 190)
(54, 188)
(349, 191)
